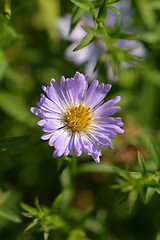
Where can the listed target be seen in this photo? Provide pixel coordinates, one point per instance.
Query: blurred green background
(31, 53)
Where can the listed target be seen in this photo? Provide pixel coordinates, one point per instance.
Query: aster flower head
(75, 119)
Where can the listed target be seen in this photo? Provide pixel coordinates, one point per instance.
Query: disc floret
(79, 119)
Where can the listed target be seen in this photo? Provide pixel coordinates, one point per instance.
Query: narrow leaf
(84, 4)
(95, 32)
(135, 175)
(149, 193)
(142, 165)
(11, 142)
(37, 204)
(129, 36)
(157, 190)
(102, 14)
(56, 204)
(97, 3)
(124, 174)
(114, 9)
(31, 225)
(132, 199)
(9, 215)
(85, 41)
(76, 16)
(28, 208)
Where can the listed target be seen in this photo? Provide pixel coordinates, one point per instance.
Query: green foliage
(76, 16)
(86, 41)
(108, 35)
(142, 165)
(46, 220)
(43, 219)
(103, 10)
(143, 183)
(84, 4)
(5, 212)
(11, 142)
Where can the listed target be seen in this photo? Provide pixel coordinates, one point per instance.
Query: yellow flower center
(78, 119)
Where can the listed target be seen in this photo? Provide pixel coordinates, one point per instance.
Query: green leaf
(28, 208)
(129, 36)
(31, 225)
(102, 14)
(84, 4)
(95, 32)
(97, 3)
(37, 204)
(132, 199)
(157, 190)
(135, 175)
(142, 165)
(9, 215)
(94, 167)
(124, 174)
(114, 65)
(149, 193)
(85, 41)
(11, 142)
(114, 9)
(67, 196)
(76, 16)
(56, 204)
(56, 221)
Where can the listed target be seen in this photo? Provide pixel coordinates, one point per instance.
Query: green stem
(67, 180)
(74, 166)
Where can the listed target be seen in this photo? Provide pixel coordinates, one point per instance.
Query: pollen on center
(78, 119)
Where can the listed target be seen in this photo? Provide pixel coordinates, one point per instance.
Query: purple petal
(46, 136)
(103, 111)
(96, 93)
(77, 145)
(55, 135)
(61, 143)
(90, 148)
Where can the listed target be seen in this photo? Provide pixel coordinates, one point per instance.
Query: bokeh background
(32, 51)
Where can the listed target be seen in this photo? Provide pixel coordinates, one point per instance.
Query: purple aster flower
(75, 119)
